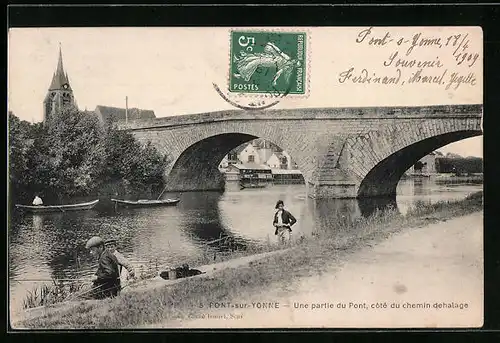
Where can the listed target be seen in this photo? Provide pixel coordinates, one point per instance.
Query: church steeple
(60, 95)
(60, 78)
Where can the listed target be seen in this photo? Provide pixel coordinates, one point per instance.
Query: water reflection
(200, 216)
(420, 186)
(329, 213)
(52, 245)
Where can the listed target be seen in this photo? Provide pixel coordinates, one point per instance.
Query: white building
(278, 160)
(259, 152)
(281, 160)
(250, 154)
(234, 157)
(265, 150)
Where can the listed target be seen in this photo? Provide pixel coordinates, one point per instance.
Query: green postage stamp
(271, 62)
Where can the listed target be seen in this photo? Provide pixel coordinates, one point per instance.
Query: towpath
(433, 273)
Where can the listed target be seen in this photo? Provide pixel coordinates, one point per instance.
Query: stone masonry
(342, 152)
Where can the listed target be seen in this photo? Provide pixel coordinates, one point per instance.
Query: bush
(74, 155)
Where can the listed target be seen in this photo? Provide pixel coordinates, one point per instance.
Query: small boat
(146, 203)
(242, 186)
(58, 208)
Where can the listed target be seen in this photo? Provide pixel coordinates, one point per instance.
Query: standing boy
(283, 221)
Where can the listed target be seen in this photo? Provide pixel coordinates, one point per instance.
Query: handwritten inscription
(404, 64)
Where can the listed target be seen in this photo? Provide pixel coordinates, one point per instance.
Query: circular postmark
(246, 103)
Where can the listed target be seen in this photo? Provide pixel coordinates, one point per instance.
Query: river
(52, 245)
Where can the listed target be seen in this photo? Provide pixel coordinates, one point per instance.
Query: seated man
(107, 277)
(37, 201)
(122, 260)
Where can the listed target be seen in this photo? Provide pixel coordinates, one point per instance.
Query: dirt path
(437, 265)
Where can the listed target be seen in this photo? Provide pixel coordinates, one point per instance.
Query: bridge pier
(332, 189)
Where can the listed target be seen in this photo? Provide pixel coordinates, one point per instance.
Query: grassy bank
(308, 256)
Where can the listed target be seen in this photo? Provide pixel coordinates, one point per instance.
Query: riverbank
(447, 178)
(310, 256)
(425, 277)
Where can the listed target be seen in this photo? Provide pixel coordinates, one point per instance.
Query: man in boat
(107, 278)
(37, 201)
(283, 221)
(123, 262)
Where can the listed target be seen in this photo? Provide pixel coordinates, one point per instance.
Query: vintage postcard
(245, 177)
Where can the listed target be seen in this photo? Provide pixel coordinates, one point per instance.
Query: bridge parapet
(340, 113)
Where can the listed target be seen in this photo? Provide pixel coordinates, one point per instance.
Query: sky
(172, 70)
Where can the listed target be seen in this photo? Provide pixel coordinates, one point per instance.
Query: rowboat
(58, 208)
(146, 203)
(251, 186)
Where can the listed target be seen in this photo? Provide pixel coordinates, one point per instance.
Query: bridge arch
(375, 161)
(383, 178)
(196, 167)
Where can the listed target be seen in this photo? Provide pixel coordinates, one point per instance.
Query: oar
(163, 191)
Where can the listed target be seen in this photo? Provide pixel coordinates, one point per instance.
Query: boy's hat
(93, 242)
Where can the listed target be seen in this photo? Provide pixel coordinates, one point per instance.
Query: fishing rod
(79, 294)
(49, 280)
(67, 280)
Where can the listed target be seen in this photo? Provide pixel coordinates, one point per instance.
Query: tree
(149, 168)
(130, 164)
(459, 165)
(19, 145)
(73, 152)
(74, 155)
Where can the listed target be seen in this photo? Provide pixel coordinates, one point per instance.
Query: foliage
(19, 142)
(52, 294)
(138, 167)
(59, 291)
(75, 155)
(72, 140)
(459, 165)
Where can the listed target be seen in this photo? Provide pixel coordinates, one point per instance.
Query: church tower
(60, 95)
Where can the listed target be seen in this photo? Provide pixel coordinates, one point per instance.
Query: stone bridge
(350, 152)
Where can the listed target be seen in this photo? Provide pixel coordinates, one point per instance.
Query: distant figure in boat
(37, 201)
(283, 221)
(107, 278)
(123, 262)
(181, 272)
